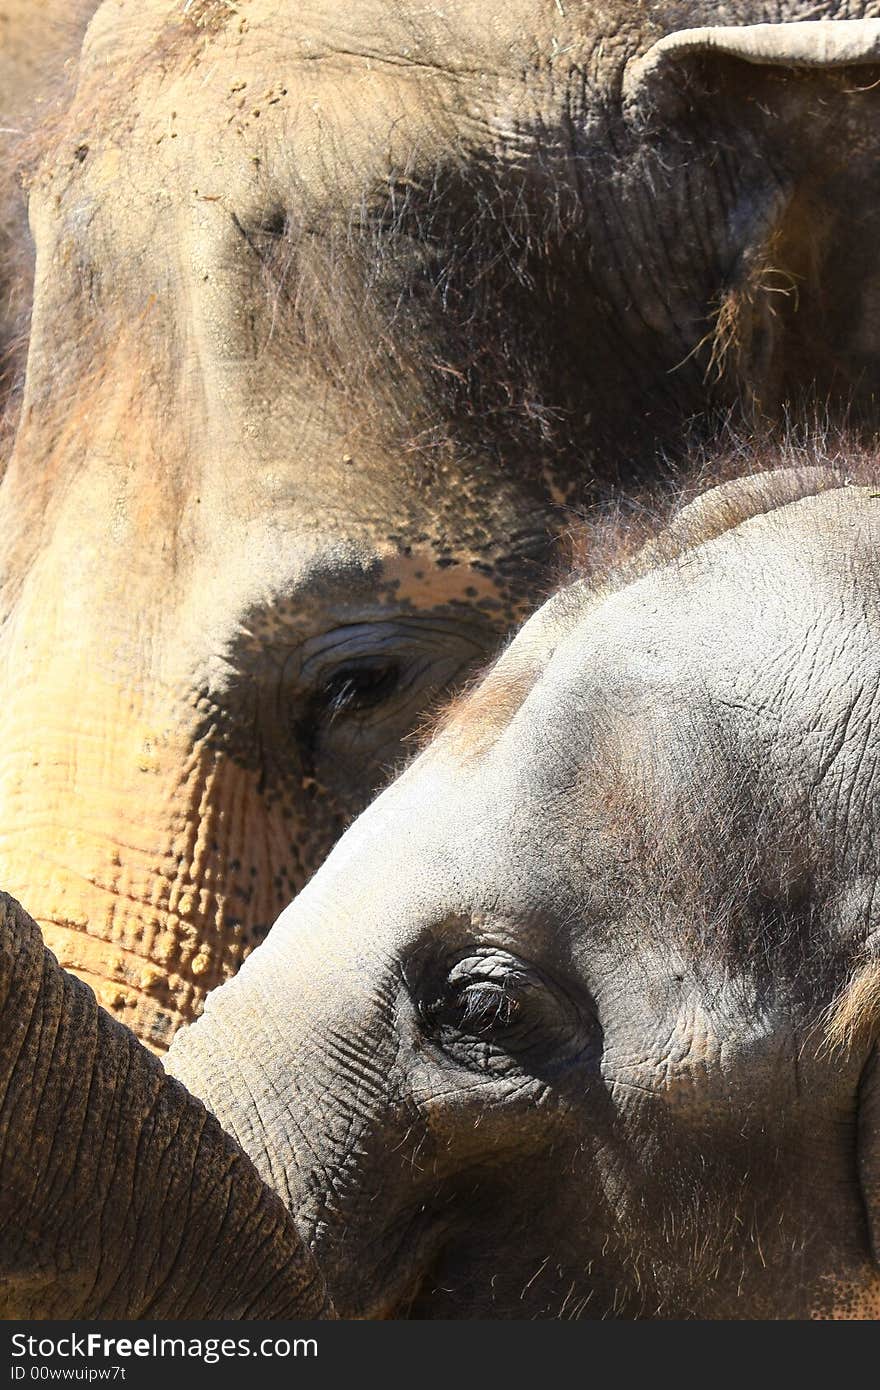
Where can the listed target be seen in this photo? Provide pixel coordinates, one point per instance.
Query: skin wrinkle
(160, 1163)
(13, 1070)
(87, 1055)
(48, 1043)
(109, 1257)
(727, 1102)
(446, 333)
(275, 1175)
(176, 1258)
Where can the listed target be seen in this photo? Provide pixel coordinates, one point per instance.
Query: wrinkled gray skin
(335, 305)
(548, 1033)
(120, 1197)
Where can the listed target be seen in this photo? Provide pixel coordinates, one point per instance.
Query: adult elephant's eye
(356, 688)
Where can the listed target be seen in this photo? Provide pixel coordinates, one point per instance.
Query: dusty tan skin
(581, 1018)
(334, 307)
(39, 45)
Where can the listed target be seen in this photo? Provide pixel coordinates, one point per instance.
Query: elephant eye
(355, 688)
(482, 998)
(483, 1009)
(492, 1011)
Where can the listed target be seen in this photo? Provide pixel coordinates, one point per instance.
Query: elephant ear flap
(658, 79)
(790, 117)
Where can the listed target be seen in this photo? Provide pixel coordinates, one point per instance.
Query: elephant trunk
(299, 1057)
(120, 1196)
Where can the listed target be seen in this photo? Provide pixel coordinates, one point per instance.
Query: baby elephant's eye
(482, 997)
(484, 1009)
(493, 1011)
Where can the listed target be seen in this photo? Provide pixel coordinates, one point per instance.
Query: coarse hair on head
(716, 486)
(626, 537)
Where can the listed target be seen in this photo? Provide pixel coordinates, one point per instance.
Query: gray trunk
(120, 1196)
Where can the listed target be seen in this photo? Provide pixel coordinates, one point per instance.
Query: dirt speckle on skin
(211, 14)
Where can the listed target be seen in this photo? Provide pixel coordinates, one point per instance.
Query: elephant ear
(790, 115)
(656, 78)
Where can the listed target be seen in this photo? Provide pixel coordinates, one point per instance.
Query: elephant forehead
(774, 618)
(385, 49)
(280, 102)
(218, 205)
(466, 38)
(316, 111)
(744, 676)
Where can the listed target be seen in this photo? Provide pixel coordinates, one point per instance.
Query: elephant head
(335, 310)
(580, 1018)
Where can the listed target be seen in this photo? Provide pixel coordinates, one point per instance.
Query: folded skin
(336, 307)
(120, 1196)
(580, 1017)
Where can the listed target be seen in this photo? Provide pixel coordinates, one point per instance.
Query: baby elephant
(580, 1017)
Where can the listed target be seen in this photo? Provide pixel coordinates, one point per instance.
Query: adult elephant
(581, 1017)
(36, 42)
(335, 307)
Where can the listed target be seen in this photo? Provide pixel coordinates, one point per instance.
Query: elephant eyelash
(479, 1009)
(358, 688)
(487, 1008)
